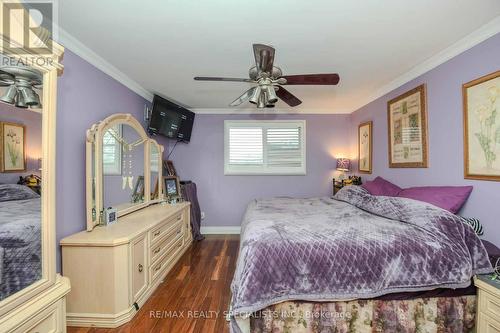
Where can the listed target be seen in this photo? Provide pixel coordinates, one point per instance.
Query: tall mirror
(21, 181)
(123, 169)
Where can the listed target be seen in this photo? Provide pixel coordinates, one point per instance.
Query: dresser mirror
(122, 169)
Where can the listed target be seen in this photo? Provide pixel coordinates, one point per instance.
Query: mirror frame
(94, 168)
(51, 68)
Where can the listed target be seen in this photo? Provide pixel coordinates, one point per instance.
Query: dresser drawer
(157, 250)
(485, 324)
(489, 304)
(167, 260)
(157, 233)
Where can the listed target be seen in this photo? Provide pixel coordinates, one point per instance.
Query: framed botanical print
(407, 125)
(365, 145)
(481, 99)
(12, 147)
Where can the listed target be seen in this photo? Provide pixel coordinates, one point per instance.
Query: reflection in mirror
(155, 167)
(123, 167)
(20, 177)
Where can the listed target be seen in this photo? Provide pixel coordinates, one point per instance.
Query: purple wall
(224, 198)
(85, 96)
(444, 107)
(33, 122)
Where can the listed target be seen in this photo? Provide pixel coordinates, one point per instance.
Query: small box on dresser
(488, 304)
(115, 269)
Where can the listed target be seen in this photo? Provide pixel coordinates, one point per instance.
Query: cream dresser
(488, 311)
(115, 269)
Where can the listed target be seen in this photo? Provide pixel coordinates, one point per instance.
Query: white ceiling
(162, 45)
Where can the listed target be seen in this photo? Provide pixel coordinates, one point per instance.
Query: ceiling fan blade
(246, 95)
(264, 57)
(319, 79)
(229, 79)
(288, 97)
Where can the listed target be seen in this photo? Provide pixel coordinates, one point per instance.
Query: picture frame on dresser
(407, 129)
(481, 119)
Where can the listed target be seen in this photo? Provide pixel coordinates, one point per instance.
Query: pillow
(380, 186)
(451, 198)
(474, 224)
(10, 192)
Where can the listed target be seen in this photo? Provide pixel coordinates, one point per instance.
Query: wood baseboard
(223, 230)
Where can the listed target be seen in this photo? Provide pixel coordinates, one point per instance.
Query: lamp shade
(343, 164)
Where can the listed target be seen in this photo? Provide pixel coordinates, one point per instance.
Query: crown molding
(77, 47)
(265, 111)
(486, 31)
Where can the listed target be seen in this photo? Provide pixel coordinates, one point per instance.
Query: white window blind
(112, 152)
(264, 148)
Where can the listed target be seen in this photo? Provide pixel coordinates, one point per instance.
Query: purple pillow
(451, 198)
(380, 186)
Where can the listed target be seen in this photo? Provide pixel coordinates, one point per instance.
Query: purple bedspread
(352, 246)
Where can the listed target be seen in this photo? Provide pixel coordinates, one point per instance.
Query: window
(112, 152)
(264, 147)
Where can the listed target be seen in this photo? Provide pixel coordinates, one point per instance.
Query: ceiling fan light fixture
(271, 94)
(20, 102)
(255, 98)
(10, 95)
(262, 101)
(30, 97)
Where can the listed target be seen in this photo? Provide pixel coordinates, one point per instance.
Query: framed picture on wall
(407, 126)
(481, 99)
(365, 145)
(12, 147)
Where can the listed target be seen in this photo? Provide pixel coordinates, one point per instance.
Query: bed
(345, 256)
(20, 238)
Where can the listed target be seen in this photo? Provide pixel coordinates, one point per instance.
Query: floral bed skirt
(420, 315)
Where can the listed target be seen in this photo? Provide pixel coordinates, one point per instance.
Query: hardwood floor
(193, 296)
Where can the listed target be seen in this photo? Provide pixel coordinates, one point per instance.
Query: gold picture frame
(12, 147)
(481, 101)
(407, 129)
(365, 147)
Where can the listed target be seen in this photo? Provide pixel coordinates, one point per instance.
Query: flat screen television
(171, 120)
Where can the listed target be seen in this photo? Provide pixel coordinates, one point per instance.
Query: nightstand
(337, 186)
(488, 304)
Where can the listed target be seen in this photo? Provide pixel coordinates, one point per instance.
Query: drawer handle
(179, 217)
(157, 268)
(157, 233)
(179, 231)
(157, 250)
(140, 268)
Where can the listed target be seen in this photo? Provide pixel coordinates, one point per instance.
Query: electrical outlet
(202, 215)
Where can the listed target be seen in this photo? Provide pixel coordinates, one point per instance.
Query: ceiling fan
(270, 81)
